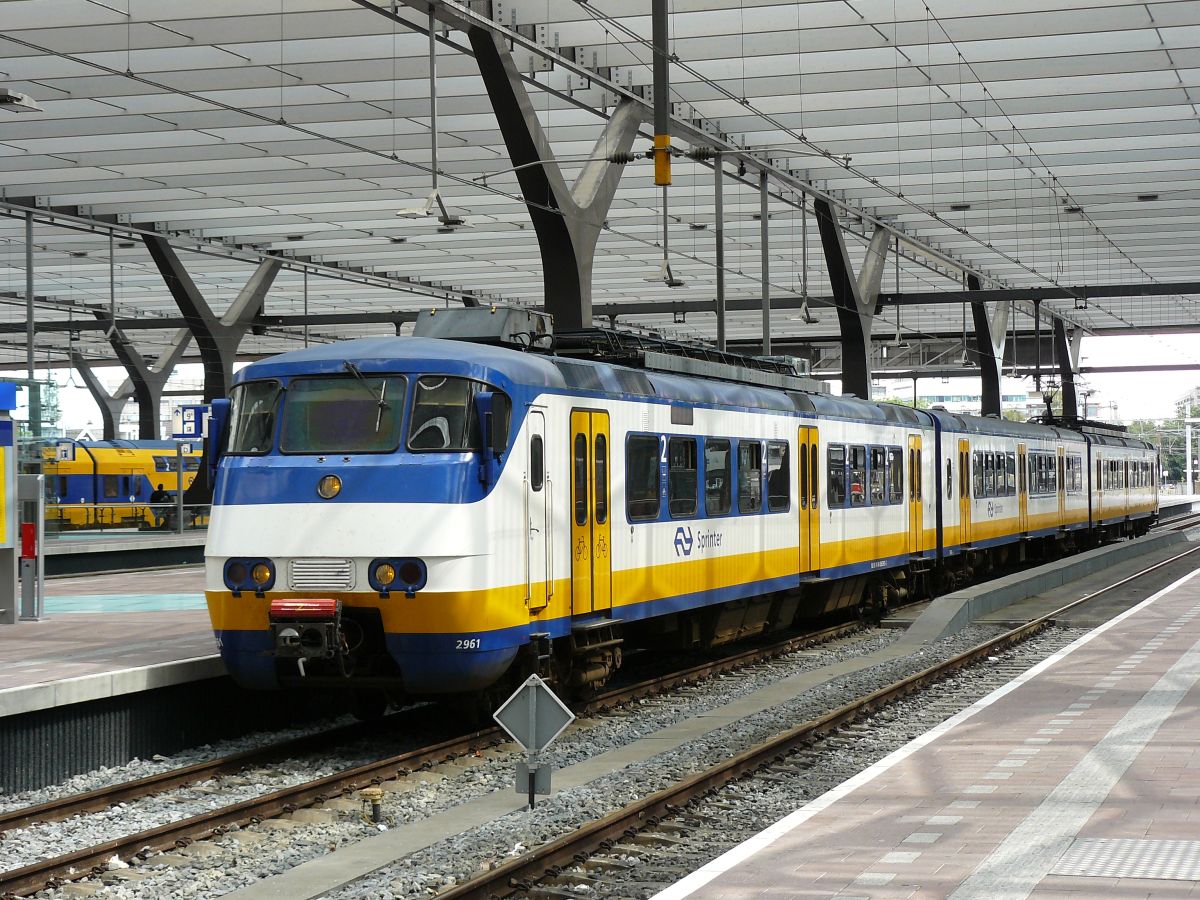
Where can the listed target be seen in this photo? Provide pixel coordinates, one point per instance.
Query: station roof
(1034, 142)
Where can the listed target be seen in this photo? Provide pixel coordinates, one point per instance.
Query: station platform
(1081, 778)
(106, 635)
(82, 552)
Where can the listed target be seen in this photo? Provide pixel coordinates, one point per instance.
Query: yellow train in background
(109, 484)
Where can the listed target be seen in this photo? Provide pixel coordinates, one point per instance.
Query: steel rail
(87, 861)
(518, 875)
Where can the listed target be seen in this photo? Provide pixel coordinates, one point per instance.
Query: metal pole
(433, 110)
(35, 395)
(662, 87)
(766, 263)
(112, 284)
(306, 307)
(1187, 439)
(1037, 340)
(179, 488)
(719, 194)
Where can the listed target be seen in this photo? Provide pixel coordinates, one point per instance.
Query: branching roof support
(1068, 364)
(217, 338)
(568, 220)
(854, 297)
(111, 406)
(991, 329)
(145, 383)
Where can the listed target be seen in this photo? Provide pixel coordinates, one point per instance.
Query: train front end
(355, 538)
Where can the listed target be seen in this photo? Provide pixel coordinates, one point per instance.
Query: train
(108, 483)
(420, 516)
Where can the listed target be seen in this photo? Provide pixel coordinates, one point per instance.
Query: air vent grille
(321, 575)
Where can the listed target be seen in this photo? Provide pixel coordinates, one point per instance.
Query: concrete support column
(568, 220)
(216, 338)
(854, 298)
(991, 331)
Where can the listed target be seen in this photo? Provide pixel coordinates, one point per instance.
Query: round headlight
(329, 487)
(410, 572)
(236, 573)
(261, 573)
(385, 573)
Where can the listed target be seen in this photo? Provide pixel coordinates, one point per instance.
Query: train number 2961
(468, 644)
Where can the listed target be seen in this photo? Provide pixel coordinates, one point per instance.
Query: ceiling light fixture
(15, 101)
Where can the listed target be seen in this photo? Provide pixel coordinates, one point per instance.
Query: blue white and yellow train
(415, 516)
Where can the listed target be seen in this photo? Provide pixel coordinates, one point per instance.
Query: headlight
(405, 574)
(412, 573)
(261, 573)
(329, 487)
(235, 574)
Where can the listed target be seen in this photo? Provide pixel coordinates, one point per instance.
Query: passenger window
(112, 487)
(581, 486)
(641, 477)
(681, 476)
(779, 482)
(803, 477)
(858, 476)
(537, 455)
(717, 486)
(896, 475)
(836, 476)
(601, 479)
(878, 478)
(977, 473)
(989, 475)
(1010, 470)
(749, 476)
(949, 480)
(812, 474)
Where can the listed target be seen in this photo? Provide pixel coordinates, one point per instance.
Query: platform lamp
(15, 101)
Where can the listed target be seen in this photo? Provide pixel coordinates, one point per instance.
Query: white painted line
(687, 886)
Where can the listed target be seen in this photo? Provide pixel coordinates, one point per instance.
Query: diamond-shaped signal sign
(534, 716)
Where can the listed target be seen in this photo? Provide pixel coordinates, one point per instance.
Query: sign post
(8, 505)
(534, 717)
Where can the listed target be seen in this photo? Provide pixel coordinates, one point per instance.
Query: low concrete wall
(950, 614)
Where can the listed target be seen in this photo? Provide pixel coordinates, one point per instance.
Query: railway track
(520, 875)
(92, 860)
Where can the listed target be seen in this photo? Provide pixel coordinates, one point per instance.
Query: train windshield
(252, 417)
(339, 414)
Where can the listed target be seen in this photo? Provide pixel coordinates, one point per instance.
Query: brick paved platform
(1079, 779)
(106, 635)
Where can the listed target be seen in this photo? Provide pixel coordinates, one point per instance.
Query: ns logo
(683, 541)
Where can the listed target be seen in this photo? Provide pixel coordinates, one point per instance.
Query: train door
(1062, 487)
(591, 538)
(964, 491)
(916, 505)
(810, 512)
(539, 585)
(1023, 487)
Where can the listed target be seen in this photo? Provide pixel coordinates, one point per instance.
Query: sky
(1149, 395)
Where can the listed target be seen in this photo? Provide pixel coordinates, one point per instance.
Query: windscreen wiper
(382, 404)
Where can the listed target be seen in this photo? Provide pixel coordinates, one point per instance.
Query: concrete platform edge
(950, 614)
(85, 688)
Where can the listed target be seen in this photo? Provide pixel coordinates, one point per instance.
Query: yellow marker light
(385, 574)
(261, 573)
(329, 487)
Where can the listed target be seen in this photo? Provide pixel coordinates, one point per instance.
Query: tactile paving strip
(1131, 858)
